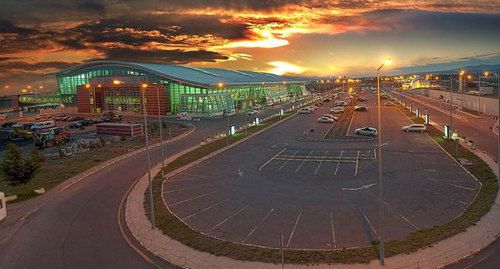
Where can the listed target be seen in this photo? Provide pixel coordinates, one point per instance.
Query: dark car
(75, 118)
(8, 124)
(74, 125)
(86, 122)
(60, 117)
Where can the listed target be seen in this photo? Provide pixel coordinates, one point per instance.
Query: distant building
(419, 83)
(117, 86)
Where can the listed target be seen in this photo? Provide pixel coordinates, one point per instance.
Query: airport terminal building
(122, 86)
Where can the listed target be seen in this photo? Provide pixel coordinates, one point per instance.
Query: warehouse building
(122, 86)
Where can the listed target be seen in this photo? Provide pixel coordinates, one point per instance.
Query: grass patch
(57, 170)
(471, 111)
(177, 230)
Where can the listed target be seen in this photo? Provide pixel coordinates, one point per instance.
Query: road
(77, 227)
(477, 130)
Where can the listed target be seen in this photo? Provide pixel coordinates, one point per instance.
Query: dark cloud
(162, 56)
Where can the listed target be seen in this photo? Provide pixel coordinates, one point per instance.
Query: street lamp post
(161, 132)
(387, 61)
(144, 112)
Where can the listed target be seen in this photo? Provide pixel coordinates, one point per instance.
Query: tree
(17, 169)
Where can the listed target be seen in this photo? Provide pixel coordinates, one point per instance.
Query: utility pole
(144, 112)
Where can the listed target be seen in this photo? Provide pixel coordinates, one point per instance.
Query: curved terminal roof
(197, 76)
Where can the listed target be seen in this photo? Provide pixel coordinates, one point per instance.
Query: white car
(366, 131)
(252, 112)
(414, 128)
(360, 108)
(330, 116)
(304, 111)
(325, 120)
(337, 109)
(257, 107)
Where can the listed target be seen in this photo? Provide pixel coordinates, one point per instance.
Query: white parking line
(230, 217)
(350, 123)
(260, 168)
(368, 221)
(298, 168)
(451, 184)
(357, 165)
(204, 209)
(338, 163)
(317, 168)
(283, 165)
(194, 198)
(333, 230)
(258, 224)
(293, 230)
(401, 216)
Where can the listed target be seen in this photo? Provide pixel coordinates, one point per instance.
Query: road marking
(338, 163)
(258, 224)
(293, 230)
(317, 168)
(193, 198)
(463, 203)
(368, 221)
(204, 209)
(357, 165)
(451, 184)
(230, 217)
(333, 230)
(401, 216)
(283, 165)
(360, 188)
(350, 123)
(260, 168)
(298, 168)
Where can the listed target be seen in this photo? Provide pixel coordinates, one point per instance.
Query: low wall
(3, 206)
(487, 105)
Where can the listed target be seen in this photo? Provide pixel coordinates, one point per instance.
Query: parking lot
(321, 194)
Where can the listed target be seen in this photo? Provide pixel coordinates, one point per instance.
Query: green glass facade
(184, 97)
(44, 98)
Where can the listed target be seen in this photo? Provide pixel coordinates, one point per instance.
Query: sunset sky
(285, 37)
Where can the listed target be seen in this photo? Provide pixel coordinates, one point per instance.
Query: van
(43, 125)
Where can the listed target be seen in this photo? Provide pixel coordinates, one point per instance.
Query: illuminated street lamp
(387, 61)
(486, 73)
(150, 187)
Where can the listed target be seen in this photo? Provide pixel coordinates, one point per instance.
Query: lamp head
(387, 61)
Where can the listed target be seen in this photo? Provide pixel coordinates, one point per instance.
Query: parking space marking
(401, 216)
(258, 224)
(283, 165)
(193, 198)
(319, 165)
(350, 123)
(230, 217)
(298, 168)
(293, 230)
(451, 184)
(204, 209)
(368, 221)
(338, 163)
(333, 230)
(260, 168)
(357, 165)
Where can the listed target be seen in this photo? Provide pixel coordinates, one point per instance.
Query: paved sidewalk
(440, 254)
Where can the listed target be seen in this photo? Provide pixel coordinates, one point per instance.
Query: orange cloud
(283, 68)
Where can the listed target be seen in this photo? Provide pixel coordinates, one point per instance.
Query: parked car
(340, 103)
(337, 109)
(366, 131)
(328, 99)
(257, 107)
(8, 124)
(360, 108)
(335, 118)
(74, 125)
(86, 122)
(252, 112)
(111, 117)
(389, 103)
(43, 117)
(325, 120)
(43, 125)
(361, 99)
(3, 116)
(414, 128)
(229, 113)
(60, 117)
(75, 118)
(304, 110)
